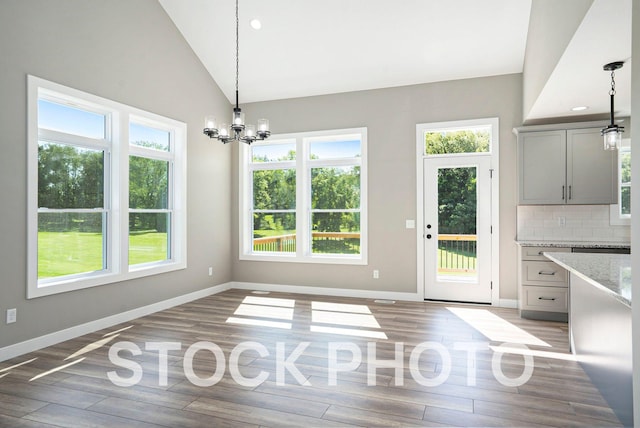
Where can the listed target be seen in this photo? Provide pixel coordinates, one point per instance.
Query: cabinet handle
(540, 252)
(563, 193)
(546, 273)
(569, 191)
(547, 298)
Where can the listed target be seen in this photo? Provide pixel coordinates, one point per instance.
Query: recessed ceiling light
(579, 108)
(256, 24)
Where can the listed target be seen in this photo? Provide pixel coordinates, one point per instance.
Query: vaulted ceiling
(314, 47)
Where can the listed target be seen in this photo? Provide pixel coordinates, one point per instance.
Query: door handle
(428, 236)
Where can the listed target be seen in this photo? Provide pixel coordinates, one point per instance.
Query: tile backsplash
(581, 223)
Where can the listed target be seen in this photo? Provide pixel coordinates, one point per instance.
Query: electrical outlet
(210, 271)
(376, 274)
(562, 221)
(12, 315)
(410, 224)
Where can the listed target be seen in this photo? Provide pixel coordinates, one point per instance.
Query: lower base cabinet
(543, 285)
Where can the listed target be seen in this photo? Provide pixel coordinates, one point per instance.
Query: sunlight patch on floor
(253, 310)
(57, 369)
(495, 328)
(533, 352)
(340, 318)
(93, 346)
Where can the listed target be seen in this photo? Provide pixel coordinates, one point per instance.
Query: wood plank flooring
(67, 385)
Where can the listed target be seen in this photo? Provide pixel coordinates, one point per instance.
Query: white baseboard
(326, 291)
(508, 303)
(31, 345)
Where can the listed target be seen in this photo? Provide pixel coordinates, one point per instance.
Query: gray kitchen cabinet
(559, 166)
(542, 285)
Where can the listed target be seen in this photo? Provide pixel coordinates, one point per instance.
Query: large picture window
(304, 198)
(91, 161)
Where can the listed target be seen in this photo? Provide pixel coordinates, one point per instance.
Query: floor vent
(385, 301)
(260, 292)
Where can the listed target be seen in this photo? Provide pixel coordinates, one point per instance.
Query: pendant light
(237, 130)
(612, 133)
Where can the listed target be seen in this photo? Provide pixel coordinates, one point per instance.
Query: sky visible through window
(318, 150)
(78, 121)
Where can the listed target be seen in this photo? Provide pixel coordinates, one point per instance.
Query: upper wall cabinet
(562, 166)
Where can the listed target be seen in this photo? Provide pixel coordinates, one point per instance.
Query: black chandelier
(612, 133)
(237, 130)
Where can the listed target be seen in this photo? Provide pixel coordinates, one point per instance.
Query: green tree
(457, 198)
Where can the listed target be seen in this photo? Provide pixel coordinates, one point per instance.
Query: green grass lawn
(67, 253)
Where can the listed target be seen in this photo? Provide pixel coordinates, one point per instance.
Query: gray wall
(552, 24)
(130, 52)
(391, 116)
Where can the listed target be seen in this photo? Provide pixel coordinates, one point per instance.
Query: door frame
(495, 199)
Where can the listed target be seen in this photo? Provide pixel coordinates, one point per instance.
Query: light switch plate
(410, 224)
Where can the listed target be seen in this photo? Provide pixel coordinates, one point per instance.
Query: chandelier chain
(237, 46)
(613, 83)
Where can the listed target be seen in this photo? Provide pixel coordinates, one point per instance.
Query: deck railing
(457, 253)
(287, 243)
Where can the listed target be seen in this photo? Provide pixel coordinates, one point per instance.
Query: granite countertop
(609, 272)
(573, 244)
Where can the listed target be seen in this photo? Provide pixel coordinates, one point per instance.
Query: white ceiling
(314, 47)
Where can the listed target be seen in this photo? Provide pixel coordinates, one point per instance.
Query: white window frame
(117, 151)
(616, 218)
(303, 166)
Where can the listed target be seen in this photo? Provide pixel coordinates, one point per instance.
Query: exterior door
(457, 234)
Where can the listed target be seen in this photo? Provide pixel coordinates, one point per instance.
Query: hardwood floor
(433, 382)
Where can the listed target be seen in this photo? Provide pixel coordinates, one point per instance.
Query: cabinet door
(591, 171)
(542, 167)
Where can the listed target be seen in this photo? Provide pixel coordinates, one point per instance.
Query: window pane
(625, 201)
(349, 148)
(273, 152)
(145, 136)
(457, 200)
(70, 243)
(71, 120)
(461, 141)
(148, 183)
(148, 238)
(625, 167)
(274, 232)
(335, 233)
(70, 177)
(335, 188)
(274, 189)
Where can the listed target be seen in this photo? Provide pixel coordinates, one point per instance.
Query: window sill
(97, 279)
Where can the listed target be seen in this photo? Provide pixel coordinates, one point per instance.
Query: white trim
(495, 200)
(50, 339)
(327, 291)
(302, 166)
(508, 303)
(117, 150)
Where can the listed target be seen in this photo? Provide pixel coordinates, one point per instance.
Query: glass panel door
(457, 228)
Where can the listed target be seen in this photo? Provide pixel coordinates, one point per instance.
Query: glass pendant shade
(612, 137)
